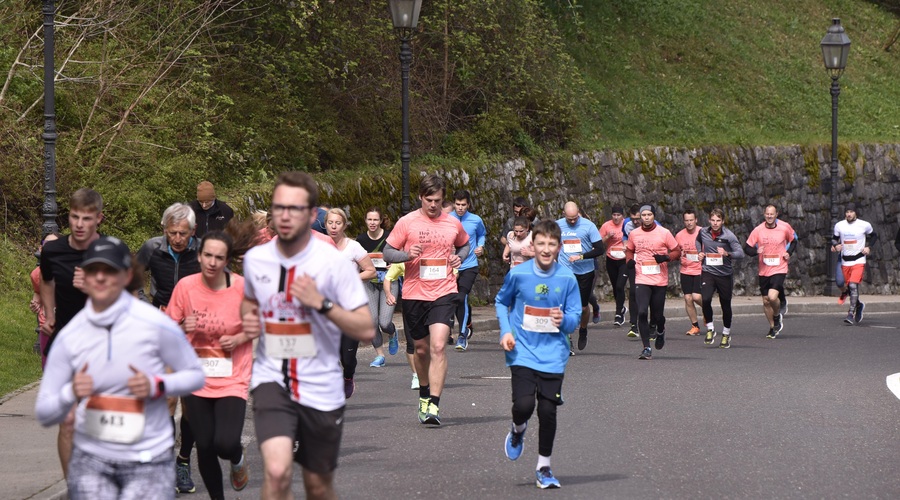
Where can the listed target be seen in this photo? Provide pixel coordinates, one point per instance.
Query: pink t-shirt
(515, 248)
(646, 244)
(772, 246)
(218, 313)
(690, 258)
(36, 286)
(615, 248)
(429, 276)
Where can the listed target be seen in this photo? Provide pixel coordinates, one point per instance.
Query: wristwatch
(326, 306)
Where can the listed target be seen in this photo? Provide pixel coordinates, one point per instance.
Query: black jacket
(165, 271)
(216, 217)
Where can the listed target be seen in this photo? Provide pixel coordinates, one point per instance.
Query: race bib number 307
(216, 363)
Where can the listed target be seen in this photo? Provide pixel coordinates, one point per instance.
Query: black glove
(630, 264)
(661, 258)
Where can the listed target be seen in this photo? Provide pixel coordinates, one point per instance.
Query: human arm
(56, 394)
(506, 252)
(175, 352)
(480, 238)
(392, 254)
(736, 251)
(459, 255)
(389, 298)
(48, 300)
(250, 318)
(356, 323)
(597, 249)
(502, 303)
(366, 268)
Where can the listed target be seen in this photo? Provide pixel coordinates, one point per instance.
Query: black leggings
(650, 300)
(348, 355)
(618, 277)
(465, 280)
(218, 424)
(710, 284)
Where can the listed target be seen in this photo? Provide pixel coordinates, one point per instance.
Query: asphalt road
(807, 415)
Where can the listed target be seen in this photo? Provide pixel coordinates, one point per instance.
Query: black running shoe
(660, 340)
(859, 312)
(646, 354)
(779, 324)
(772, 334)
(582, 338)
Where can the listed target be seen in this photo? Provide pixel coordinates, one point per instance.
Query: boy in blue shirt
(538, 305)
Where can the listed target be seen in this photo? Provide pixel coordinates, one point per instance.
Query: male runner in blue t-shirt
(581, 242)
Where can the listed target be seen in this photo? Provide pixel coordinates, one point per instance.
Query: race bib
(715, 260)
(851, 247)
(115, 419)
(537, 319)
(771, 260)
(378, 260)
(572, 246)
(432, 269)
(691, 256)
(617, 253)
(650, 267)
(286, 340)
(216, 363)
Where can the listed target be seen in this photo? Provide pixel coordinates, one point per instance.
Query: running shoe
(515, 442)
(784, 307)
(859, 312)
(693, 331)
(378, 362)
(596, 318)
(415, 382)
(660, 340)
(571, 350)
(183, 481)
(772, 334)
(240, 476)
(646, 354)
(394, 343)
(710, 337)
(620, 320)
(632, 333)
(779, 324)
(469, 331)
(843, 297)
(850, 319)
(545, 478)
(582, 338)
(461, 342)
(653, 333)
(349, 387)
(423, 408)
(432, 414)
(726, 342)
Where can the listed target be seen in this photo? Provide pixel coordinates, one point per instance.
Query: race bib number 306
(115, 419)
(286, 340)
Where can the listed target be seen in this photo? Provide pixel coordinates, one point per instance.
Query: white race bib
(617, 253)
(216, 363)
(378, 260)
(115, 419)
(432, 269)
(537, 319)
(714, 260)
(286, 340)
(851, 247)
(691, 256)
(771, 260)
(572, 246)
(650, 267)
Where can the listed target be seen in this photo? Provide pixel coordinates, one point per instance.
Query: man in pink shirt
(650, 247)
(773, 241)
(432, 244)
(690, 268)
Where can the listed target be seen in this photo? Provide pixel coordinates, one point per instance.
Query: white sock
(520, 428)
(710, 326)
(726, 331)
(543, 462)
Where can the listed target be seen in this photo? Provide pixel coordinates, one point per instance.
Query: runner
(62, 285)
(690, 268)
(612, 232)
(392, 287)
(336, 223)
(35, 304)
(852, 238)
(648, 251)
(372, 241)
(518, 243)
(519, 204)
(538, 304)
(109, 365)
(207, 306)
(296, 383)
(468, 270)
(210, 213)
(432, 244)
(719, 249)
(776, 243)
(630, 224)
(581, 242)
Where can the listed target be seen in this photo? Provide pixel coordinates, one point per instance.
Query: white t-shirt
(354, 251)
(853, 239)
(315, 380)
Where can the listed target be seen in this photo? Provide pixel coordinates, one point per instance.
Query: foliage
(20, 365)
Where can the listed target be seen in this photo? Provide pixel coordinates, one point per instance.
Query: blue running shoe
(461, 342)
(394, 343)
(378, 363)
(183, 481)
(515, 442)
(545, 478)
(859, 312)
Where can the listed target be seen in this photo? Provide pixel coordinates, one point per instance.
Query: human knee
(278, 475)
(546, 410)
(523, 406)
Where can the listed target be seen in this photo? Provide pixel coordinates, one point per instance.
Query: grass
(20, 365)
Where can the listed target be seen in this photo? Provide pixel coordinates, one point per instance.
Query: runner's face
(447, 209)
(715, 223)
(771, 214)
(104, 284)
(461, 207)
(431, 204)
(334, 224)
(517, 209)
(373, 221)
(213, 259)
(292, 224)
(546, 251)
(519, 232)
(690, 221)
(617, 218)
(84, 224)
(647, 219)
(850, 215)
(178, 235)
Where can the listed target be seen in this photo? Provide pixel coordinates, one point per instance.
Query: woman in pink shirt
(207, 306)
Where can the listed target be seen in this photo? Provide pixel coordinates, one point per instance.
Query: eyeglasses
(292, 210)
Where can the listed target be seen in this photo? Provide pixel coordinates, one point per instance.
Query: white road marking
(497, 378)
(883, 326)
(893, 383)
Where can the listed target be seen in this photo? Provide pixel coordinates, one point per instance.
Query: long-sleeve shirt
(474, 227)
(129, 333)
(710, 244)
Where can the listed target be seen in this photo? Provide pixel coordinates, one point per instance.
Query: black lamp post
(49, 135)
(405, 15)
(835, 48)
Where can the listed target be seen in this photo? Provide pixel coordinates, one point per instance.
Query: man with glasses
(211, 214)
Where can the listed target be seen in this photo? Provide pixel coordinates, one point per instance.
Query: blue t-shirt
(527, 285)
(587, 234)
(474, 227)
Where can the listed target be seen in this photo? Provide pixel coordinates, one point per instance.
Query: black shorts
(585, 287)
(526, 382)
(690, 284)
(316, 434)
(418, 315)
(774, 282)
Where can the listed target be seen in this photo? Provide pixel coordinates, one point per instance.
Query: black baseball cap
(110, 251)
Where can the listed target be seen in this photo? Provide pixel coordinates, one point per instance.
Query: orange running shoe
(693, 331)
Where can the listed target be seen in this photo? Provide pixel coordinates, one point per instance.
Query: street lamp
(405, 15)
(49, 135)
(835, 48)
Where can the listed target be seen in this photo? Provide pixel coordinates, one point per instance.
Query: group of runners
(310, 298)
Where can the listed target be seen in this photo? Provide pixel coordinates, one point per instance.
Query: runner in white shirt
(852, 239)
(297, 384)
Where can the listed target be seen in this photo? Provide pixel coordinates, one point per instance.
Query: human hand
(138, 384)
(508, 342)
(82, 383)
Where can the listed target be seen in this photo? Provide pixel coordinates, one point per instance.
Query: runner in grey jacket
(718, 248)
